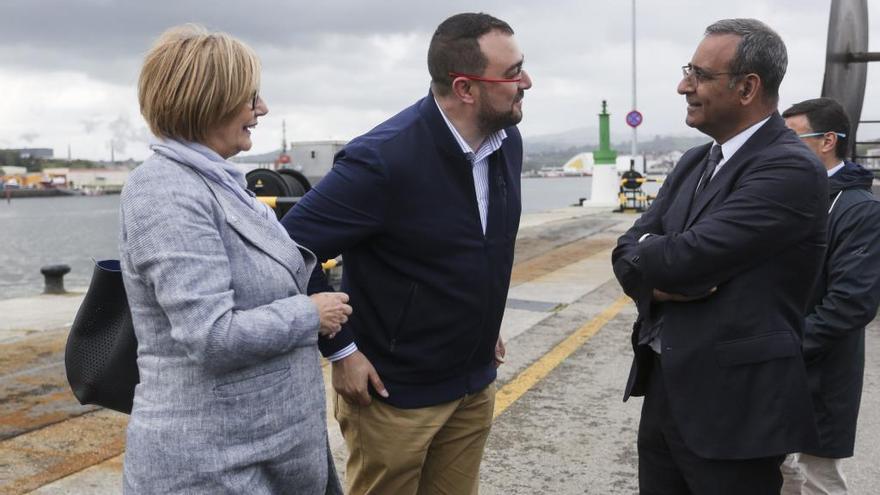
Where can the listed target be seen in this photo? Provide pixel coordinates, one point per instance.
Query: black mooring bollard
(54, 275)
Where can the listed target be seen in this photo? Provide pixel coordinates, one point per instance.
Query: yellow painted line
(559, 257)
(82, 441)
(269, 201)
(515, 389)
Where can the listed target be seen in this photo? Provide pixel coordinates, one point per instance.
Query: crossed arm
(771, 207)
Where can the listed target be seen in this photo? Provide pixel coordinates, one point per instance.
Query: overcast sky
(334, 69)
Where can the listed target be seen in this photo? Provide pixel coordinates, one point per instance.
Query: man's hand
(500, 351)
(351, 375)
(661, 296)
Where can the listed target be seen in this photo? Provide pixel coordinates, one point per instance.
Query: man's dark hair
(824, 115)
(454, 48)
(760, 51)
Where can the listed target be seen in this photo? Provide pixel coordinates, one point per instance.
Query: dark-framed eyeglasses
(484, 79)
(694, 73)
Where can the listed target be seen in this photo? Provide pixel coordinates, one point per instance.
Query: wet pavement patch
(537, 306)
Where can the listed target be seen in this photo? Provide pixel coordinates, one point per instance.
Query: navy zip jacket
(844, 302)
(428, 288)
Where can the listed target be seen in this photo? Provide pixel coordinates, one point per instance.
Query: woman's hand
(332, 310)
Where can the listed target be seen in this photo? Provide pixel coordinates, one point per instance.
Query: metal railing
(871, 162)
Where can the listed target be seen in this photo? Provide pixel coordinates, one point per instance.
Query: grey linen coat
(231, 395)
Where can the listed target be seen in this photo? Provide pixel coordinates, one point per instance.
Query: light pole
(635, 138)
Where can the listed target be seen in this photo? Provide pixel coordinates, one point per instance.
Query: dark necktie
(711, 164)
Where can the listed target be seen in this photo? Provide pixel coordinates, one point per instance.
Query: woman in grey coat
(231, 395)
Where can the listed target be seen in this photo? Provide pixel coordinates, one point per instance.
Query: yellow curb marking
(50, 345)
(514, 389)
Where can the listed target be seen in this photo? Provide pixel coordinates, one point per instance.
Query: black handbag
(101, 353)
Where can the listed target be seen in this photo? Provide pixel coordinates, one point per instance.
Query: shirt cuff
(343, 353)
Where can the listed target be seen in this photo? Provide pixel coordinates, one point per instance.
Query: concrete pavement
(560, 426)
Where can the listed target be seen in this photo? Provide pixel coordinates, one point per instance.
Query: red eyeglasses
(483, 79)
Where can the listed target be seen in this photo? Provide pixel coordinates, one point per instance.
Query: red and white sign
(634, 118)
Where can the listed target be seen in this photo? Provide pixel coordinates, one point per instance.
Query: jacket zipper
(404, 312)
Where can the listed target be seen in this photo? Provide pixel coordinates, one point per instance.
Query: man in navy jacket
(425, 210)
(844, 301)
(721, 267)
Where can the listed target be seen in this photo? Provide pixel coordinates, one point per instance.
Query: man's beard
(489, 120)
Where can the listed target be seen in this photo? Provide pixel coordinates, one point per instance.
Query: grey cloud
(90, 124)
(123, 133)
(108, 38)
(356, 76)
(29, 137)
(117, 27)
(351, 61)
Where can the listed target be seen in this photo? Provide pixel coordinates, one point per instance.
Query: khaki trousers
(805, 474)
(429, 450)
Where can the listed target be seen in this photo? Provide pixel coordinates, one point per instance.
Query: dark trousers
(668, 467)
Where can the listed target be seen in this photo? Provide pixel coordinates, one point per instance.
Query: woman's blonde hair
(193, 80)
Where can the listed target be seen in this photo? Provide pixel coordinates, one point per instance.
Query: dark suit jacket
(732, 361)
(427, 287)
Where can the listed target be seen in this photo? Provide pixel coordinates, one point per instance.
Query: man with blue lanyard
(844, 301)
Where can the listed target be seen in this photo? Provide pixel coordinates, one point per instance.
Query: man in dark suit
(425, 209)
(721, 268)
(844, 301)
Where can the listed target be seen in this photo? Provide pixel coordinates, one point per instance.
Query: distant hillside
(258, 158)
(582, 136)
(553, 150)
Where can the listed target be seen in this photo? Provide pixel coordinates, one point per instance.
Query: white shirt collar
(736, 142)
(835, 169)
(489, 146)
